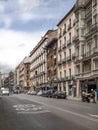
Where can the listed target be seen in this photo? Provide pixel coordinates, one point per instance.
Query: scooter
(86, 98)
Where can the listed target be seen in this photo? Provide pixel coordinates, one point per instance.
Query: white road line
(37, 112)
(93, 115)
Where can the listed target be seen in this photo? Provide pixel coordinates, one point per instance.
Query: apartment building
(86, 44)
(51, 49)
(16, 78)
(24, 74)
(38, 68)
(66, 55)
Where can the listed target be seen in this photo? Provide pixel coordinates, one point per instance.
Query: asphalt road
(25, 112)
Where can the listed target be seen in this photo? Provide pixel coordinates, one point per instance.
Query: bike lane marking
(29, 109)
(93, 115)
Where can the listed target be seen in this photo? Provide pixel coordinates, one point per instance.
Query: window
(60, 74)
(95, 19)
(96, 41)
(77, 51)
(70, 22)
(64, 73)
(69, 52)
(82, 50)
(60, 57)
(60, 43)
(70, 36)
(65, 27)
(64, 40)
(77, 69)
(94, 2)
(64, 55)
(96, 64)
(69, 73)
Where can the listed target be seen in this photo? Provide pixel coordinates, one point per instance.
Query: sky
(23, 23)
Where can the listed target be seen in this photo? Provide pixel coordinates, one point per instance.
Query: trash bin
(96, 96)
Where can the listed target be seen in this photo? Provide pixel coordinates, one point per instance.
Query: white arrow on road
(93, 115)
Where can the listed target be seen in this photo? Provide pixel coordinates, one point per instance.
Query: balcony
(64, 31)
(69, 42)
(64, 46)
(88, 15)
(69, 58)
(73, 56)
(77, 58)
(60, 49)
(69, 26)
(64, 61)
(87, 54)
(92, 29)
(79, 5)
(68, 78)
(60, 35)
(60, 62)
(75, 38)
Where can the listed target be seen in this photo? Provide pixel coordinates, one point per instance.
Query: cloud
(16, 45)
(1, 8)
(5, 68)
(26, 5)
(21, 45)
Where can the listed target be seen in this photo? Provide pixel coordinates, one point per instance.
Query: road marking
(93, 115)
(64, 110)
(24, 105)
(29, 109)
(37, 112)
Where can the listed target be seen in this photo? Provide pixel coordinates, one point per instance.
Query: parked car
(5, 92)
(59, 95)
(44, 94)
(40, 93)
(16, 91)
(50, 93)
(32, 92)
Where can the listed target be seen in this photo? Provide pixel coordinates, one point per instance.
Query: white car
(40, 93)
(31, 92)
(5, 92)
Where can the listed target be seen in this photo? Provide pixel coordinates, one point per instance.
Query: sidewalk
(74, 98)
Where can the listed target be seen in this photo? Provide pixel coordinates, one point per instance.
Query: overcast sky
(23, 23)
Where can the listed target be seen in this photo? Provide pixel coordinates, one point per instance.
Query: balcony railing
(64, 61)
(60, 62)
(69, 42)
(73, 56)
(69, 58)
(69, 26)
(60, 35)
(88, 15)
(75, 38)
(64, 31)
(92, 29)
(64, 46)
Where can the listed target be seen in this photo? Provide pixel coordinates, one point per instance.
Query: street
(26, 112)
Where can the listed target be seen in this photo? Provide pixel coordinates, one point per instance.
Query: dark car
(59, 95)
(50, 93)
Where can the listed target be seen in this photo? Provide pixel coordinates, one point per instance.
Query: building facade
(66, 55)
(38, 68)
(51, 49)
(24, 74)
(86, 44)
